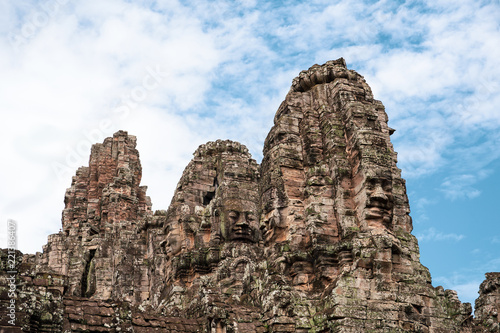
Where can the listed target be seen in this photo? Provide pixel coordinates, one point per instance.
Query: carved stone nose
(242, 221)
(379, 194)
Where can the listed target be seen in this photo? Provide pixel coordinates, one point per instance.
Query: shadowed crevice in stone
(88, 278)
(210, 194)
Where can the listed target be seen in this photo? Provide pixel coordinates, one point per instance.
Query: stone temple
(317, 238)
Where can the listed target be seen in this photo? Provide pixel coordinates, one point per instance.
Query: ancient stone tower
(317, 238)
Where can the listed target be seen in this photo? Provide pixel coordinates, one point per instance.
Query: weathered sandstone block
(317, 238)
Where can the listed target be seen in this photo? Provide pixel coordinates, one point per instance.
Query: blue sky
(179, 73)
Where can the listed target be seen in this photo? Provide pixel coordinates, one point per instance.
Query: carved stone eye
(387, 185)
(233, 215)
(371, 183)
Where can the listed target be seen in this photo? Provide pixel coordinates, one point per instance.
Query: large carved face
(379, 202)
(240, 220)
(173, 240)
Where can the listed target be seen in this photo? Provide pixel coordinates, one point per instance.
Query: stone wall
(317, 238)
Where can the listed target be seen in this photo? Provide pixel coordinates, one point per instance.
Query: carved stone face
(240, 220)
(379, 202)
(302, 273)
(173, 241)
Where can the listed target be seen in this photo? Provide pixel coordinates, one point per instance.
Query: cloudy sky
(179, 73)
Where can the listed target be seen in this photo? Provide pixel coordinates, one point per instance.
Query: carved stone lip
(205, 225)
(377, 212)
(242, 234)
(379, 203)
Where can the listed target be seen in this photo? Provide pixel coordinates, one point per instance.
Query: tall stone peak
(317, 238)
(108, 189)
(325, 73)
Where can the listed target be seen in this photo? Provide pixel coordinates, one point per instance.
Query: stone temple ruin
(317, 238)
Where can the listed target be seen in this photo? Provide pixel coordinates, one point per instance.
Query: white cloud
(67, 78)
(467, 291)
(419, 208)
(462, 186)
(439, 81)
(431, 235)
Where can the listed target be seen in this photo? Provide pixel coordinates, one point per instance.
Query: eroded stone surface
(487, 309)
(315, 239)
